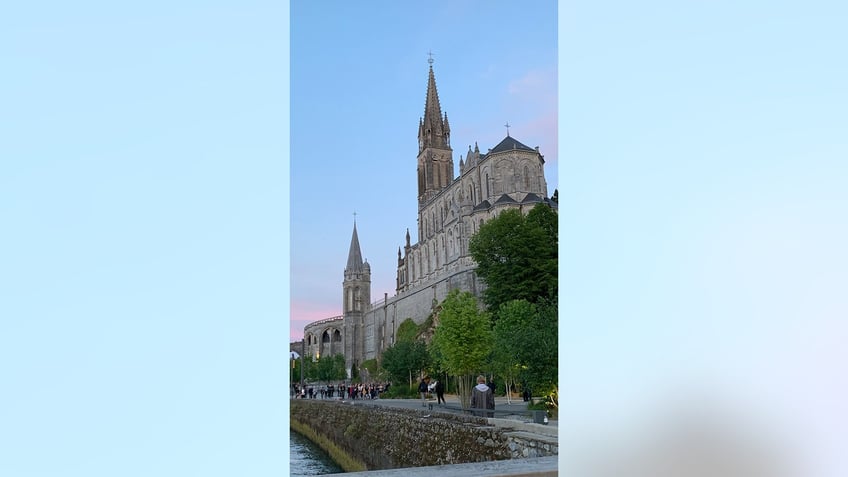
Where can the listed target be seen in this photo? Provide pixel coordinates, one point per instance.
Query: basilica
(450, 211)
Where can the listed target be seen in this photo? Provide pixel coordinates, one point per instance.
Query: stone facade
(450, 211)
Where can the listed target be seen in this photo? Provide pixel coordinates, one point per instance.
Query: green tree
(508, 340)
(517, 256)
(526, 335)
(405, 360)
(463, 339)
(329, 368)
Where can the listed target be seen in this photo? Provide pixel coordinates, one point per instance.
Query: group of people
(425, 387)
(330, 391)
(482, 396)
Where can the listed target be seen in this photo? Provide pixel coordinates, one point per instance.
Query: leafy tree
(526, 335)
(405, 359)
(517, 256)
(328, 368)
(508, 340)
(463, 339)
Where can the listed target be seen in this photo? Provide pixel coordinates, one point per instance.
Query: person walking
(440, 392)
(482, 399)
(422, 389)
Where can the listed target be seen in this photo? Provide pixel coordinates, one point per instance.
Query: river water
(308, 459)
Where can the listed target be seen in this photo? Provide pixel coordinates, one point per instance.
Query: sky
(356, 104)
(172, 187)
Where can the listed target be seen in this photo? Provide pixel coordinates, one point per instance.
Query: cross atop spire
(507, 128)
(430, 60)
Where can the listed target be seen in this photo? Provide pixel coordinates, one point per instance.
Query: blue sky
(145, 270)
(355, 109)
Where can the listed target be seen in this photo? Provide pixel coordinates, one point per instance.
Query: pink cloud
(303, 313)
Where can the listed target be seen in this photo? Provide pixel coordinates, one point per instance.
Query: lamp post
(302, 361)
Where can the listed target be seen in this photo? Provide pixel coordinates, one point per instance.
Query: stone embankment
(387, 438)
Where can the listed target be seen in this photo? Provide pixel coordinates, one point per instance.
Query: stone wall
(382, 320)
(388, 438)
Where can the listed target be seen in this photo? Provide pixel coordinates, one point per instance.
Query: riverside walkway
(513, 416)
(516, 410)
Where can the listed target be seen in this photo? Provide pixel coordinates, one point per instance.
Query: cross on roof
(507, 128)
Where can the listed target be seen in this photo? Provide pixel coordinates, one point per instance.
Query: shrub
(400, 391)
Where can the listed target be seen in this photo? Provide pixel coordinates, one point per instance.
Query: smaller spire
(354, 257)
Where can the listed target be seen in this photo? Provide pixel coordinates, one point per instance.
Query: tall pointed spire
(435, 156)
(433, 129)
(354, 257)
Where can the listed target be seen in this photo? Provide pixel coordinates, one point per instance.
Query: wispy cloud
(304, 312)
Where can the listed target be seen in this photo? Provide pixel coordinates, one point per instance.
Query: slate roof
(485, 205)
(530, 198)
(509, 144)
(505, 199)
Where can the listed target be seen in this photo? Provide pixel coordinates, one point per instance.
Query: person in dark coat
(422, 389)
(440, 392)
(482, 398)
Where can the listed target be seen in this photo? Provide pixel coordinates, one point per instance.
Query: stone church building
(450, 210)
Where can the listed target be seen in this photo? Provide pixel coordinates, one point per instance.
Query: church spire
(354, 257)
(435, 157)
(433, 129)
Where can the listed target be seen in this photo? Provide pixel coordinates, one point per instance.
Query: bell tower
(356, 299)
(435, 156)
